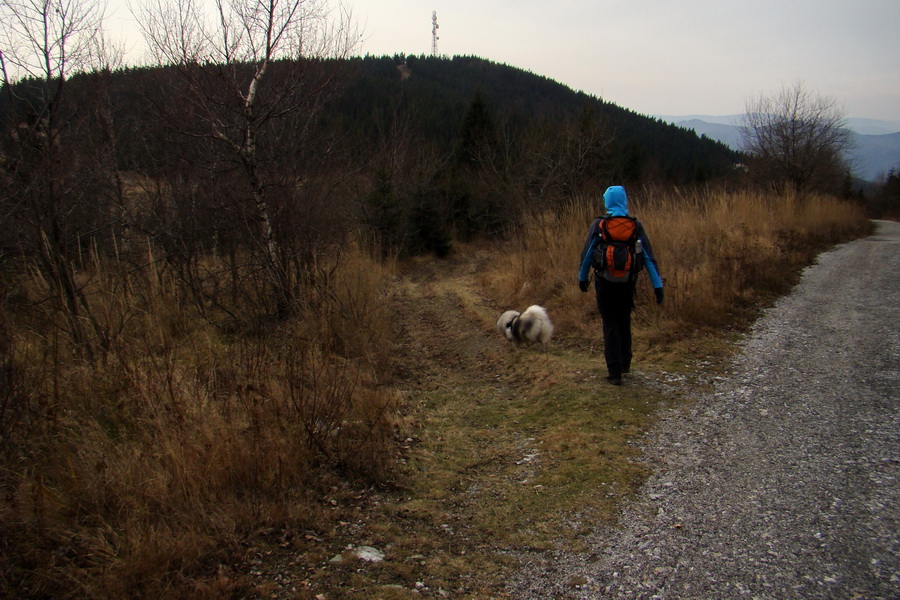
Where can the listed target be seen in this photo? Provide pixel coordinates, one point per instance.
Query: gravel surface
(782, 483)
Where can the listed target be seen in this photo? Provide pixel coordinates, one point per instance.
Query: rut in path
(445, 327)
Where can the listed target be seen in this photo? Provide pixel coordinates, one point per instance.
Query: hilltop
(437, 92)
(364, 100)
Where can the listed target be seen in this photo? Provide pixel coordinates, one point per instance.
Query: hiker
(627, 246)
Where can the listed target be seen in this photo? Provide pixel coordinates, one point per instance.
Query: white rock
(369, 554)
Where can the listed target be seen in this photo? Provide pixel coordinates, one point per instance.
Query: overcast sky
(661, 57)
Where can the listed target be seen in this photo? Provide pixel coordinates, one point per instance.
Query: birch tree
(226, 53)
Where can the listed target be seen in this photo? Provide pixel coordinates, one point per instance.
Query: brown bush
(137, 473)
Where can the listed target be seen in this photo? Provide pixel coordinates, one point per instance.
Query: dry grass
(137, 475)
(147, 474)
(722, 256)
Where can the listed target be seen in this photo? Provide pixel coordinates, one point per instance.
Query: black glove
(583, 286)
(659, 295)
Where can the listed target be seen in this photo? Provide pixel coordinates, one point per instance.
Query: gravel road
(782, 483)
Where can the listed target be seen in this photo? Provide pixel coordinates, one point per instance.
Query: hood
(616, 201)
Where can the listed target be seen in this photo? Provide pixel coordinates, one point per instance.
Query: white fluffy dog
(529, 327)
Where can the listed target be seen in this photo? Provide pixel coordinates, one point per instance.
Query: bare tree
(227, 53)
(49, 39)
(797, 140)
(49, 198)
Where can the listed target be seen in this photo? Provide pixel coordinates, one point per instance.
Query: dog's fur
(529, 327)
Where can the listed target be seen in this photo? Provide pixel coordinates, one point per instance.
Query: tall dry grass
(722, 255)
(135, 475)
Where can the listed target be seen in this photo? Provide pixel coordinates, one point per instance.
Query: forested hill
(436, 93)
(440, 102)
(419, 150)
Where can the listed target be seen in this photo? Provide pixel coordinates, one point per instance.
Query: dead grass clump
(349, 310)
(138, 474)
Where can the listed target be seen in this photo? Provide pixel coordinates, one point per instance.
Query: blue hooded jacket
(616, 203)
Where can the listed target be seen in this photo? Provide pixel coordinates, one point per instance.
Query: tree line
(538, 142)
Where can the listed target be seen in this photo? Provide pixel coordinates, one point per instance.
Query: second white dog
(529, 327)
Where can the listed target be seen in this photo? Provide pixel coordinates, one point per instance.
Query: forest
(388, 143)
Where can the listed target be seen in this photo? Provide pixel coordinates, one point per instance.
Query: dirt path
(444, 325)
(785, 481)
(497, 449)
(511, 443)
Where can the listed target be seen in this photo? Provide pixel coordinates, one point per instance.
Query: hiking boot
(615, 379)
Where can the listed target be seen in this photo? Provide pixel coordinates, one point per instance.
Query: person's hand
(583, 286)
(659, 295)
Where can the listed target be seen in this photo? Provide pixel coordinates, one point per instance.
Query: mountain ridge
(859, 125)
(872, 156)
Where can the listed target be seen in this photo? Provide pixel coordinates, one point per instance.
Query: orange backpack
(617, 251)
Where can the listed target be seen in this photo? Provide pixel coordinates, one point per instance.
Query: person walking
(624, 250)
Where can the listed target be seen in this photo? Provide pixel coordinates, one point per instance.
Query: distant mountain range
(876, 151)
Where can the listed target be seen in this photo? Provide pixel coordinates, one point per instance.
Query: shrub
(136, 474)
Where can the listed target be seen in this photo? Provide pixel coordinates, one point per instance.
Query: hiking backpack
(617, 250)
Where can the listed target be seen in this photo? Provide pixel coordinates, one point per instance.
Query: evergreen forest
(420, 151)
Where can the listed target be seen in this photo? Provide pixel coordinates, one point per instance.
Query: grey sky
(659, 56)
(664, 57)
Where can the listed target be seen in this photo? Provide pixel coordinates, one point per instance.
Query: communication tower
(434, 35)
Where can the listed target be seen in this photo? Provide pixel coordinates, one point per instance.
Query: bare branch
(796, 139)
(231, 94)
(49, 39)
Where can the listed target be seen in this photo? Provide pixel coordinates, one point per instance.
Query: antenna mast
(434, 35)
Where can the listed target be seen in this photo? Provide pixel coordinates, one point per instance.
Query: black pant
(615, 301)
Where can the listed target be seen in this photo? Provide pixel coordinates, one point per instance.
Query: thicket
(139, 472)
(885, 202)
